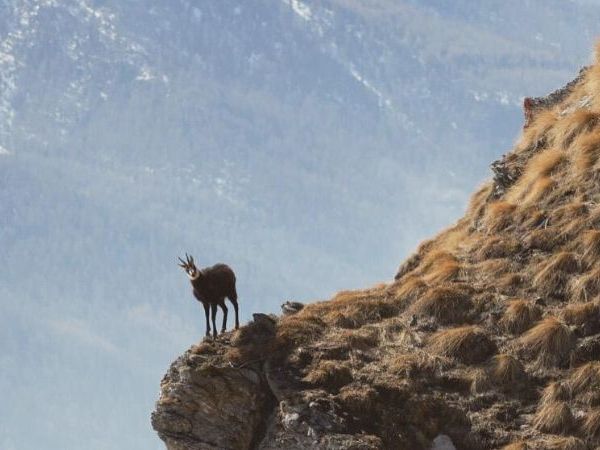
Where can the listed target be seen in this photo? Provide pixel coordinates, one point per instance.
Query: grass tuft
(519, 316)
(585, 287)
(550, 340)
(447, 304)
(414, 365)
(358, 398)
(585, 378)
(561, 443)
(555, 418)
(535, 135)
(506, 371)
(298, 329)
(586, 152)
(329, 374)
(468, 344)
(552, 278)
(497, 247)
(591, 423)
(545, 239)
(580, 314)
(590, 243)
(499, 216)
(555, 392)
(536, 178)
(569, 127)
(408, 288)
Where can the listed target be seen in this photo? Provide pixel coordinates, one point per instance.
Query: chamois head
(189, 267)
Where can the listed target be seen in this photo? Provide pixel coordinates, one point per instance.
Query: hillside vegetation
(490, 332)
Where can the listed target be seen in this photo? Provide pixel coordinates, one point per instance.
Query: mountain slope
(300, 142)
(490, 333)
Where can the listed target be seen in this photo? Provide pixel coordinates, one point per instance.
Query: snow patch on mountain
(382, 100)
(301, 9)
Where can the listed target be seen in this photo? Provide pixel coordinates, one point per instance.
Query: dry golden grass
(585, 378)
(560, 443)
(516, 446)
(480, 382)
(298, 329)
(591, 423)
(408, 288)
(451, 239)
(358, 398)
(519, 316)
(537, 190)
(545, 239)
(586, 152)
(343, 297)
(444, 271)
(555, 392)
(434, 258)
(586, 286)
(447, 304)
(329, 374)
(415, 364)
(564, 262)
(510, 283)
(555, 418)
(592, 84)
(506, 371)
(569, 213)
(499, 216)
(468, 344)
(593, 219)
(530, 217)
(490, 269)
(568, 127)
(535, 134)
(551, 279)
(496, 247)
(478, 201)
(362, 339)
(204, 348)
(590, 243)
(353, 309)
(580, 313)
(550, 340)
(408, 265)
(535, 180)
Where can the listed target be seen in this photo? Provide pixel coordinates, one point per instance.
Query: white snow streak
(301, 9)
(382, 100)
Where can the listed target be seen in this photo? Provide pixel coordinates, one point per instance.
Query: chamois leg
(213, 312)
(224, 308)
(206, 307)
(233, 299)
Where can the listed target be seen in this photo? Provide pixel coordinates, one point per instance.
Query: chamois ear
(183, 264)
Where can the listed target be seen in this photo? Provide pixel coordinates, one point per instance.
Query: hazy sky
(310, 145)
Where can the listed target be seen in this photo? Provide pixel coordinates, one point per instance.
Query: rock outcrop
(488, 337)
(205, 406)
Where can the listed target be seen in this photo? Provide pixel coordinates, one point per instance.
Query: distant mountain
(308, 144)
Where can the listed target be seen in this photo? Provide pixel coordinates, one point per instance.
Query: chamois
(210, 286)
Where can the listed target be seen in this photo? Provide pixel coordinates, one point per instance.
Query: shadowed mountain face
(310, 145)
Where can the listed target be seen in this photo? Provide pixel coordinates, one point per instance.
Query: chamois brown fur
(211, 286)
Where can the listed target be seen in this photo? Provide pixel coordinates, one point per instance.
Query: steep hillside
(489, 334)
